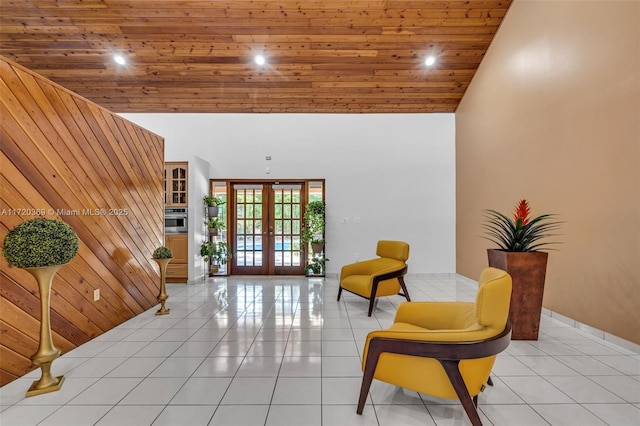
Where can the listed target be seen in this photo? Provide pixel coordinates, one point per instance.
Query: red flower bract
(522, 212)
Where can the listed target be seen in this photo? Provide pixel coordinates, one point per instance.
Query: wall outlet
(96, 294)
(356, 257)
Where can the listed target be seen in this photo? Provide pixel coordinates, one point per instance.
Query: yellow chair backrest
(493, 298)
(393, 249)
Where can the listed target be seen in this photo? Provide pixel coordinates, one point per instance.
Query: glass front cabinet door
(175, 185)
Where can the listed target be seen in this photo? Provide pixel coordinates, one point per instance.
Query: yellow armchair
(443, 349)
(379, 277)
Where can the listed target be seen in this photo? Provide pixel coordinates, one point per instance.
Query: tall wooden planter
(528, 271)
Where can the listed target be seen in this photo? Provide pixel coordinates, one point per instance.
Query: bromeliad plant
(522, 233)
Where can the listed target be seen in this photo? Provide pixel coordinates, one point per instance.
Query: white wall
(198, 188)
(396, 172)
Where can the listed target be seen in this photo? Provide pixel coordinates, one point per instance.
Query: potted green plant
(215, 224)
(40, 242)
(222, 254)
(314, 222)
(162, 256)
(41, 246)
(212, 204)
(519, 239)
(162, 253)
(207, 251)
(316, 266)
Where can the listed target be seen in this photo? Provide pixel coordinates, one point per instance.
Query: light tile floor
(281, 351)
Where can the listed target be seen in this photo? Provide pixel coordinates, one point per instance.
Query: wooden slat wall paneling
(63, 195)
(64, 157)
(16, 192)
(27, 299)
(9, 362)
(102, 202)
(73, 190)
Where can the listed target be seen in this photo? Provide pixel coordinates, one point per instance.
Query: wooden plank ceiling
(197, 56)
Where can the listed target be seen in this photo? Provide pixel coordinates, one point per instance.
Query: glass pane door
(267, 227)
(249, 221)
(286, 229)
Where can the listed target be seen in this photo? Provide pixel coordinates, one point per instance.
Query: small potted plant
(316, 266)
(314, 222)
(317, 246)
(162, 255)
(221, 255)
(215, 224)
(207, 251)
(519, 239)
(41, 246)
(520, 233)
(212, 204)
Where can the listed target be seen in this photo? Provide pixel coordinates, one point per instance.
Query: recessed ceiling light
(119, 59)
(430, 61)
(259, 60)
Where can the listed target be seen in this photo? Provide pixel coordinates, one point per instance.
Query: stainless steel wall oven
(176, 221)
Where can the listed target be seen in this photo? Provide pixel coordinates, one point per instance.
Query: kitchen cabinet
(176, 184)
(177, 269)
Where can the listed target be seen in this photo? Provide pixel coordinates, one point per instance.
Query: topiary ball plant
(40, 242)
(162, 253)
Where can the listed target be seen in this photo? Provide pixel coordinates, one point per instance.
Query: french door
(267, 225)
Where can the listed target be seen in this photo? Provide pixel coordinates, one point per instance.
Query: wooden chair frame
(449, 354)
(399, 274)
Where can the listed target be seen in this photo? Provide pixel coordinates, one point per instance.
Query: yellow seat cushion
(358, 277)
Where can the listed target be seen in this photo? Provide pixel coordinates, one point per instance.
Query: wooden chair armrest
(381, 276)
(440, 349)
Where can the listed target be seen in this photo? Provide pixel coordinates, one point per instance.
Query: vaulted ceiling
(198, 56)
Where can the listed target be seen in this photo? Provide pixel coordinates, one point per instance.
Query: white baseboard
(608, 337)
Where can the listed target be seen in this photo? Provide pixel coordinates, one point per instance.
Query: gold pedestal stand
(162, 297)
(46, 351)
